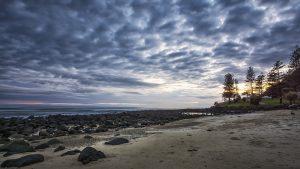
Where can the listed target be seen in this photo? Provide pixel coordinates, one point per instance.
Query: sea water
(26, 112)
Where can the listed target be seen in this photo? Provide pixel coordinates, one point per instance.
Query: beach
(263, 139)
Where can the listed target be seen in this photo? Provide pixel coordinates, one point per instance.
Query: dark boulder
(17, 137)
(71, 152)
(62, 127)
(90, 154)
(88, 130)
(4, 140)
(60, 133)
(44, 134)
(15, 147)
(117, 141)
(59, 148)
(54, 141)
(101, 129)
(42, 146)
(74, 130)
(33, 138)
(23, 161)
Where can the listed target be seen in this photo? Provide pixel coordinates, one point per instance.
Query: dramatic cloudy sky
(147, 53)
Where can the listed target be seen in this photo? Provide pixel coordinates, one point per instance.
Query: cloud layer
(153, 53)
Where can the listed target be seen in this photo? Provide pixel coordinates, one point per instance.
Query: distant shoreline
(25, 112)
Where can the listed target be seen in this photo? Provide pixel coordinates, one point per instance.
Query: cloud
(207, 97)
(242, 18)
(131, 51)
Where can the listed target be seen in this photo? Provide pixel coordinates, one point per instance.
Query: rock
(44, 134)
(59, 148)
(192, 150)
(42, 146)
(117, 141)
(27, 131)
(15, 147)
(88, 130)
(293, 106)
(4, 140)
(74, 130)
(54, 141)
(89, 154)
(71, 152)
(5, 131)
(88, 137)
(33, 138)
(16, 137)
(101, 129)
(23, 161)
(60, 133)
(62, 127)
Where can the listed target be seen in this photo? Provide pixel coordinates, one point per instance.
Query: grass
(264, 103)
(273, 102)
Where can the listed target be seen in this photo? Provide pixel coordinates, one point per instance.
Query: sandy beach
(264, 139)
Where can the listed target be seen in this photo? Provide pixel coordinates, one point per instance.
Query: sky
(138, 53)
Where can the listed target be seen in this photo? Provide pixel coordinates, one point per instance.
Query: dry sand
(269, 140)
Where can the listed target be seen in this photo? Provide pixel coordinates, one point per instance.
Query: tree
(236, 94)
(295, 59)
(292, 80)
(228, 86)
(259, 83)
(236, 83)
(275, 77)
(250, 78)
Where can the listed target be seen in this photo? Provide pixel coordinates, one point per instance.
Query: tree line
(276, 83)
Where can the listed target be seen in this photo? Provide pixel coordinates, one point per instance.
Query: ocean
(26, 112)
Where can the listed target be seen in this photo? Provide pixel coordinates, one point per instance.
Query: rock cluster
(61, 125)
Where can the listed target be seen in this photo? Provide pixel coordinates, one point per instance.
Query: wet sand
(269, 140)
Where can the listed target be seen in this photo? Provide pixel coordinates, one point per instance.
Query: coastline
(41, 127)
(263, 139)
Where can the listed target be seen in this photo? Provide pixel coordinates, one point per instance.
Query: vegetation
(228, 87)
(264, 103)
(259, 83)
(295, 59)
(254, 99)
(292, 97)
(275, 78)
(250, 78)
(280, 87)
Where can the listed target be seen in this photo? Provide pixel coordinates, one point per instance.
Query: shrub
(255, 100)
(237, 98)
(291, 96)
(244, 99)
